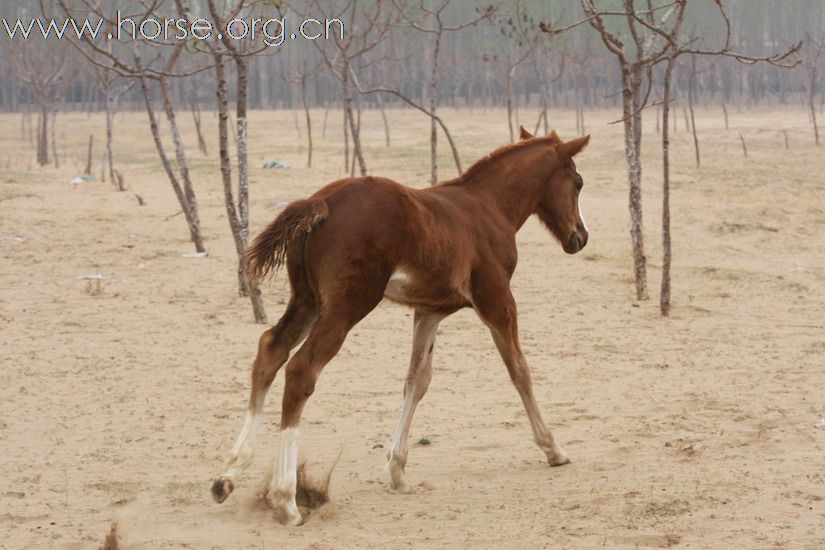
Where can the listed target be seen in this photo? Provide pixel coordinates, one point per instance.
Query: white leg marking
(398, 443)
(397, 455)
(241, 454)
(285, 482)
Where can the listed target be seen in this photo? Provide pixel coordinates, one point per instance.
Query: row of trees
(628, 53)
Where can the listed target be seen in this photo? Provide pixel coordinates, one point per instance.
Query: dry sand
(120, 400)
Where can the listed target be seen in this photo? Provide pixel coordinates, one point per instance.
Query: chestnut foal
(438, 250)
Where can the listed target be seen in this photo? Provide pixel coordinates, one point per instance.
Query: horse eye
(579, 184)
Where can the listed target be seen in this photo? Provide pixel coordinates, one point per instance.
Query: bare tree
(367, 29)
(237, 210)
(47, 74)
(653, 31)
(113, 88)
(678, 45)
(195, 107)
(431, 22)
(301, 74)
(512, 54)
(813, 57)
(160, 68)
(635, 63)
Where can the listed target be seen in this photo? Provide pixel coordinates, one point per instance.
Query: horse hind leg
(302, 371)
(418, 380)
(274, 347)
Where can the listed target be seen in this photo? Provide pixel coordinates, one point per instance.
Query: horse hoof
(558, 458)
(401, 488)
(289, 515)
(221, 489)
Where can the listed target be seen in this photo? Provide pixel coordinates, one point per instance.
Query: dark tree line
(472, 72)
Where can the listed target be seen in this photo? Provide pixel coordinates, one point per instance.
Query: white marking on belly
(396, 286)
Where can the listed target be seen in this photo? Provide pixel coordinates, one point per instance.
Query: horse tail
(268, 251)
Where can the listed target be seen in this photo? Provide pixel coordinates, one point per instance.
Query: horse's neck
(512, 187)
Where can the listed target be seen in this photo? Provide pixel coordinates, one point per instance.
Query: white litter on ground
(82, 179)
(820, 423)
(93, 277)
(13, 238)
(195, 254)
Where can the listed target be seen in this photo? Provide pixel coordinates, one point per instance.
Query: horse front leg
(497, 308)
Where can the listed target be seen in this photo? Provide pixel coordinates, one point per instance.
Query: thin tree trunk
(433, 108)
(43, 136)
(196, 118)
(691, 92)
(242, 90)
(308, 119)
(725, 112)
(744, 145)
(54, 139)
(384, 120)
(812, 104)
(346, 138)
(358, 132)
(354, 130)
(581, 115)
(180, 152)
(237, 214)
(88, 169)
(111, 109)
(664, 296)
(509, 88)
(190, 209)
(326, 115)
(630, 92)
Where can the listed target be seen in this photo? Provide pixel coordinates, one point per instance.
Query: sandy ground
(120, 401)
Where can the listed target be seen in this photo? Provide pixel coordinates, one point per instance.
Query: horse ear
(554, 137)
(574, 146)
(523, 134)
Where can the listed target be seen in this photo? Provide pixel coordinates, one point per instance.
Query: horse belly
(405, 289)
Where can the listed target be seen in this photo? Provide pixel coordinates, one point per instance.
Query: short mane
(485, 161)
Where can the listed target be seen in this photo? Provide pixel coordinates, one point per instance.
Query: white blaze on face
(579, 206)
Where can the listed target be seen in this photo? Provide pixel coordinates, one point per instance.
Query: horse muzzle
(576, 242)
